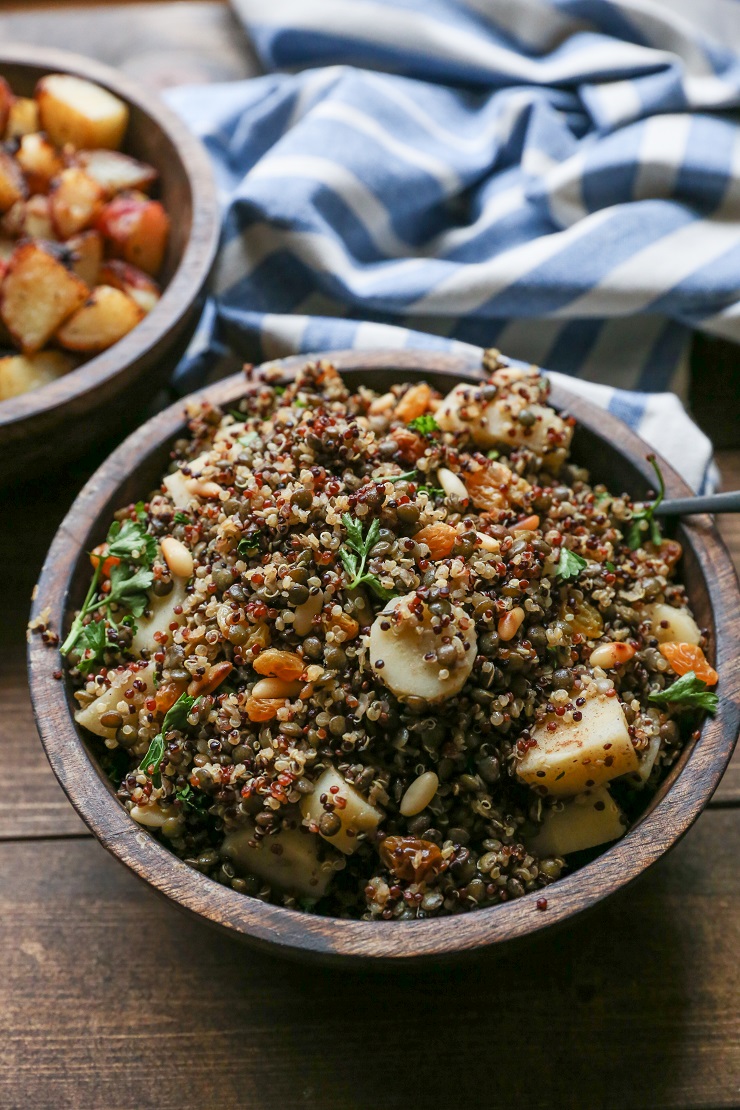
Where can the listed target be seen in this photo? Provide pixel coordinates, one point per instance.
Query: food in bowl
(386, 656)
(81, 241)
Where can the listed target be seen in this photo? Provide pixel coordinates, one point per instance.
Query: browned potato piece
(23, 118)
(76, 201)
(12, 182)
(138, 285)
(76, 111)
(115, 172)
(86, 254)
(136, 229)
(20, 373)
(105, 317)
(6, 103)
(13, 221)
(37, 220)
(39, 161)
(38, 293)
(7, 246)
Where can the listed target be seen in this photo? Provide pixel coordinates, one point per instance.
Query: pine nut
(177, 557)
(509, 624)
(306, 612)
(488, 543)
(611, 655)
(453, 485)
(529, 524)
(208, 682)
(276, 688)
(419, 794)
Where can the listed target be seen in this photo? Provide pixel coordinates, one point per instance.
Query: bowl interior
(613, 455)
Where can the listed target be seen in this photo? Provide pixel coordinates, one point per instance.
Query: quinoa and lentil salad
(386, 656)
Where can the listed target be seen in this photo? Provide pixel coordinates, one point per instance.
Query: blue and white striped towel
(558, 178)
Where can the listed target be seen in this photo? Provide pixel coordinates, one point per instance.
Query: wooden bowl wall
(102, 396)
(614, 455)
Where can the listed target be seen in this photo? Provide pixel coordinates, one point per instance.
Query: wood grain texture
(615, 456)
(110, 998)
(43, 425)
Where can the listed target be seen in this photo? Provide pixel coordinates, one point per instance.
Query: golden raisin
(263, 709)
(689, 657)
(410, 445)
(414, 402)
(279, 664)
(439, 538)
(411, 859)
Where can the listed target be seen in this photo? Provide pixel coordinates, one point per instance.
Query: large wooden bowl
(102, 396)
(615, 455)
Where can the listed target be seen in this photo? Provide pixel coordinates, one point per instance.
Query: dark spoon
(713, 503)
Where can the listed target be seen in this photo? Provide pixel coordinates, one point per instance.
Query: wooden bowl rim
(379, 943)
(197, 259)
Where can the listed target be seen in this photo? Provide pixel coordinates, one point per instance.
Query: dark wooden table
(110, 999)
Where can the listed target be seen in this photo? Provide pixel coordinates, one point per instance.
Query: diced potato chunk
(113, 698)
(38, 293)
(404, 655)
(162, 616)
(590, 819)
(105, 317)
(680, 626)
(358, 816)
(509, 419)
(73, 110)
(86, 255)
(132, 281)
(37, 219)
(75, 202)
(580, 754)
(647, 760)
(288, 860)
(20, 373)
(115, 171)
(39, 161)
(23, 118)
(12, 183)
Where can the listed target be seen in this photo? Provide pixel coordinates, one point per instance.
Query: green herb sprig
(354, 556)
(689, 692)
(646, 515)
(425, 424)
(570, 564)
(130, 579)
(175, 718)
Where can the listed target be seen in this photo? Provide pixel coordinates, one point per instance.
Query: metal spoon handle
(713, 503)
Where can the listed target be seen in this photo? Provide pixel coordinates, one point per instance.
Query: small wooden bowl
(65, 418)
(614, 455)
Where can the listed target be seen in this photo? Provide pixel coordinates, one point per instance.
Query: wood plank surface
(111, 998)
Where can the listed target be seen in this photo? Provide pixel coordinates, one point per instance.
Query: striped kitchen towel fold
(559, 178)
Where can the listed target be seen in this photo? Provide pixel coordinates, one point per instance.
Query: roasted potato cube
(39, 161)
(672, 626)
(12, 183)
(138, 285)
(38, 293)
(105, 317)
(115, 172)
(288, 860)
(72, 110)
(112, 700)
(21, 373)
(577, 755)
(37, 219)
(6, 104)
(86, 255)
(23, 118)
(13, 222)
(76, 200)
(357, 816)
(585, 821)
(137, 229)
